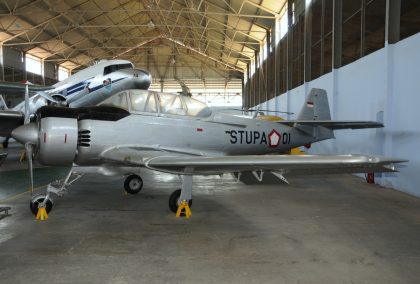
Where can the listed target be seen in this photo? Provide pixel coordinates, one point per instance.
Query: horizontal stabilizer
(331, 124)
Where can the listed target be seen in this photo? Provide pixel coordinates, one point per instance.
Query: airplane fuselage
(92, 91)
(153, 124)
(181, 135)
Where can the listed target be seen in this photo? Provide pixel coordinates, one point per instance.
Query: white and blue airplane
(88, 87)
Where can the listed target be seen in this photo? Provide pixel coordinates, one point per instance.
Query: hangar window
(282, 65)
(410, 18)
(63, 73)
(298, 52)
(363, 28)
(374, 30)
(352, 24)
(321, 41)
(33, 64)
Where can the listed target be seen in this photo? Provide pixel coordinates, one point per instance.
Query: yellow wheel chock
(182, 206)
(42, 214)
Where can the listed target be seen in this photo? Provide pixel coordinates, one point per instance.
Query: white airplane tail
(316, 106)
(315, 118)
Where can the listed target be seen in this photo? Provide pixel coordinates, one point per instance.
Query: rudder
(316, 106)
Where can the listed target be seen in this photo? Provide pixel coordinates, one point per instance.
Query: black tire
(6, 142)
(33, 205)
(173, 202)
(133, 184)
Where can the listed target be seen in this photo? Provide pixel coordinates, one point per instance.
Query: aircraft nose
(143, 79)
(27, 133)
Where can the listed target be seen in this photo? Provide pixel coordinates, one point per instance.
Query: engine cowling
(57, 141)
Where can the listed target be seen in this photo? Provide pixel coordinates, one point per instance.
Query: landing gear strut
(174, 201)
(180, 200)
(133, 184)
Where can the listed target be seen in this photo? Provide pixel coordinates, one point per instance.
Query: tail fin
(316, 106)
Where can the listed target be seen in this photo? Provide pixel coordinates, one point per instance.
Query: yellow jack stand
(22, 156)
(296, 151)
(42, 214)
(184, 205)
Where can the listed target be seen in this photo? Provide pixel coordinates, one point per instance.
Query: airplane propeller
(47, 97)
(29, 147)
(27, 104)
(27, 135)
(27, 110)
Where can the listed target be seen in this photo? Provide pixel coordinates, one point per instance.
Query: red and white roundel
(274, 138)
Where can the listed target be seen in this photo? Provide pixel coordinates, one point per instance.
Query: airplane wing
(331, 124)
(9, 120)
(295, 164)
(20, 87)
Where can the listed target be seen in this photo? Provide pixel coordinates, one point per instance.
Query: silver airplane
(88, 87)
(175, 134)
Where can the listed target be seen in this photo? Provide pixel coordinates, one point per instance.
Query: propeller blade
(29, 153)
(256, 112)
(47, 97)
(27, 110)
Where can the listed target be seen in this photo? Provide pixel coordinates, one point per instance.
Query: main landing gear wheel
(173, 202)
(38, 199)
(133, 184)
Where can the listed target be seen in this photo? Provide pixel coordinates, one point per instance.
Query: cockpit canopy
(158, 103)
(112, 68)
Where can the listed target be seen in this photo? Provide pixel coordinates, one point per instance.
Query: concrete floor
(334, 229)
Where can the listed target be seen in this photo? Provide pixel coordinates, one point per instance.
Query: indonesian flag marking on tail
(310, 104)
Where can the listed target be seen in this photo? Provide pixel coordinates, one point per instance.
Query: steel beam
(289, 43)
(337, 33)
(308, 42)
(393, 15)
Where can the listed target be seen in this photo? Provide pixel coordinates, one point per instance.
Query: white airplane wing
(285, 164)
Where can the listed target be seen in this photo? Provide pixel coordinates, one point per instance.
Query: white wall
(383, 86)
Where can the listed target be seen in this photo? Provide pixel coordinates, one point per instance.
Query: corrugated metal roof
(201, 36)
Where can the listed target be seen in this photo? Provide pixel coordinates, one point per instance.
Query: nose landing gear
(41, 205)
